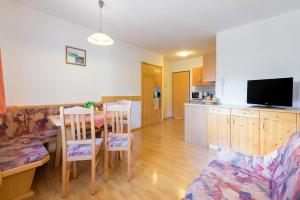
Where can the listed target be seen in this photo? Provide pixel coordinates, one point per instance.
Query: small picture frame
(75, 56)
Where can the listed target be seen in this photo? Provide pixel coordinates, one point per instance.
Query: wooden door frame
(161, 90)
(173, 88)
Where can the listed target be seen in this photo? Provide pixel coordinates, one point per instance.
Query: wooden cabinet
(209, 67)
(196, 124)
(219, 127)
(252, 131)
(245, 131)
(157, 77)
(196, 76)
(275, 128)
(298, 122)
(151, 79)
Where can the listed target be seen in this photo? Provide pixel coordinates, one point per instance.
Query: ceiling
(165, 26)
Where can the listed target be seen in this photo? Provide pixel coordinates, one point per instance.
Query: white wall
(177, 66)
(266, 49)
(33, 47)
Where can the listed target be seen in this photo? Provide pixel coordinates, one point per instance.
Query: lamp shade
(100, 39)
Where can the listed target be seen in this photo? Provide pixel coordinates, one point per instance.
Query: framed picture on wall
(75, 56)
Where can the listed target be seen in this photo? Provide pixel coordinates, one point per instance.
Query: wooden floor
(164, 166)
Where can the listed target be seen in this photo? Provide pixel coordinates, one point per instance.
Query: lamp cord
(100, 22)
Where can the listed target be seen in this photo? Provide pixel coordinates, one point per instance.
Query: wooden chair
(75, 144)
(119, 138)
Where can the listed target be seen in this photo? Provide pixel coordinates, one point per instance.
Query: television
(270, 92)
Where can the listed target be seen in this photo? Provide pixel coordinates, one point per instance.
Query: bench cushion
(20, 151)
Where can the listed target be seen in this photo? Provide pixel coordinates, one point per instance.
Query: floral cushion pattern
(19, 121)
(117, 140)
(42, 135)
(20, 151)
(236, 176)
(81, 149)
(22, 133)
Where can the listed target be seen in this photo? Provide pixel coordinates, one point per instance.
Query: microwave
(195, 95)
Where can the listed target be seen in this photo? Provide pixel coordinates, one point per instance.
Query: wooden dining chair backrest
(116, 115)
(74, 128)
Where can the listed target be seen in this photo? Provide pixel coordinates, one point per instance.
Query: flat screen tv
(270, 92)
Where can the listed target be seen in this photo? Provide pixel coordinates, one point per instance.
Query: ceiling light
(183, 53)
(100, 38)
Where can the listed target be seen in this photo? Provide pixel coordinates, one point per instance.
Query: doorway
(180, 92)
(151, 94)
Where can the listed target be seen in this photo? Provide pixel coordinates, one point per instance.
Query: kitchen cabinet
(157, 77)
(245, 131)
(151, 94)
(196, 124)
(196, 76)
(252, 131)
(298, 121)
(209, 67)
(219, 127)
(275, 128)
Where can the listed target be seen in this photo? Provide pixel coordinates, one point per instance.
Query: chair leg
(93, 176)
(128, 164)
(111, 158)
(64, 179)
(74, 169)
(131, 149)
(101, 160)
(105, 165)
(121, 154)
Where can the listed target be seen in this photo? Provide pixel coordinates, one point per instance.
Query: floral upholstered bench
(23, 131)
(19, 157)
(237, 176)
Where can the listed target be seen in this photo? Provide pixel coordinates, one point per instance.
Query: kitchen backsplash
(208, 89)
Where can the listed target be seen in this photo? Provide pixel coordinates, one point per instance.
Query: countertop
(291, 110)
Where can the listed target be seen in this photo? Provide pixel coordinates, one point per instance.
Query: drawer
(245, 113)
(220, 111)
(279, 116)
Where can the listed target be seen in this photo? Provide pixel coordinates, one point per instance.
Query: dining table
(55, 120)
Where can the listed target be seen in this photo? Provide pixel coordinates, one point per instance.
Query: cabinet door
(274, 134)
(224, 131)
(188, 123)
(236, 124)
(196, 76)
(157, 77)
(245, 135)
(209, 67)
(298, 122)
(212, 129)
(250, 136)
(219, 130)
(196, 125)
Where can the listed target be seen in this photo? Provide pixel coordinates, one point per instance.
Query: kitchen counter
(290, 110)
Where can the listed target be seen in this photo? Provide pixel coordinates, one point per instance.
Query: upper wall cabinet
(196, 76)
(157, 77)
(209, 67)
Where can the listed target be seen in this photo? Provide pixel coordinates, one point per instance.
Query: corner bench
(19, 157)
(23, 133)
